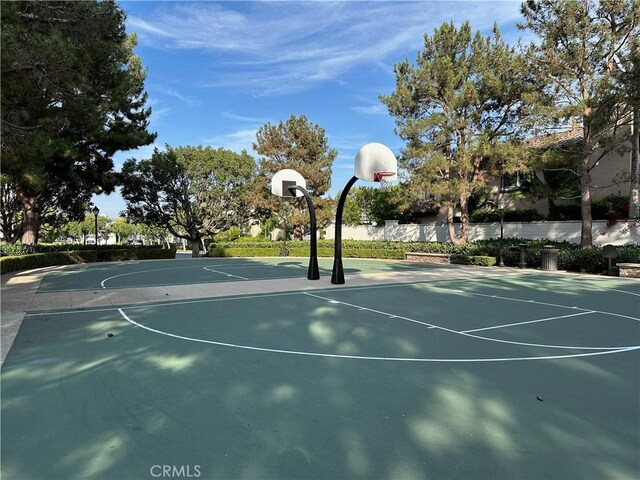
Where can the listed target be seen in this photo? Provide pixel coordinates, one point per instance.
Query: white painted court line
(167, 304)
(624, 291)
(102, 283)
(224, 273)
(359, 357)
(228, 265)
(537, 303)
(479, 337)
(529, 321)
(390, 315)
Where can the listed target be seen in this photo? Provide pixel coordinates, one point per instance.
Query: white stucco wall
(622, 233)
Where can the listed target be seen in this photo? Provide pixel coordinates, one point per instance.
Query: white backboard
(376, 158)
(284, 179)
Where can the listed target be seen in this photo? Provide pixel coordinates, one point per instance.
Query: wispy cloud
(375, 109)
(234, 141)
(191, 101)
(283, 47)
(242, 118)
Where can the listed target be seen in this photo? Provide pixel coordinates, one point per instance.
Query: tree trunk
(195, 248)
(585, 203)
(464, 218)
(30, 220)
(452, 228)
(634, 190)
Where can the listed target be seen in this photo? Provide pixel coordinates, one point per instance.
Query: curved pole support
(337, 274)
(313, 273)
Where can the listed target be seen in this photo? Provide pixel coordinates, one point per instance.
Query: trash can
(549, 257)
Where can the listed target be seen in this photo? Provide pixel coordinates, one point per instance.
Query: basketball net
(384, 178)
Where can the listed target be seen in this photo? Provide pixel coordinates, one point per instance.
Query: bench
(428, 257)
(631, 270)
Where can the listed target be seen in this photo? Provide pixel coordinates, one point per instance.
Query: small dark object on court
(539, 397)
(109, 334)
(167, 294)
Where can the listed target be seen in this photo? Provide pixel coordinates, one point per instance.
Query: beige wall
(611, 168)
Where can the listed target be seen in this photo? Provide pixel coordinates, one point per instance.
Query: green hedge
(571, 257)
(21, 249)
(301, 251)
(510, 215)
(39, 260)
(480, 260)
(116, 255)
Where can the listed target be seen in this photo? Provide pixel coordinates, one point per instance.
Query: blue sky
(217, 71)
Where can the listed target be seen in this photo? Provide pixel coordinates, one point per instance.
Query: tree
(80, 230)
(10, 211)
(121, 228)
(301, 146)
(72, 96)
(628, 76)
(375, 205)
(460, 110)
(575, 55)
(190, 191)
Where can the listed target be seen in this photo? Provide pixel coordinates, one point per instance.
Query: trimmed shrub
(510, 215)
(20, 249)
(39, 260)
(480, 260)
(49, 259)
(571, 257)
(584, 260)
(628, 254)
(564, 212)
(611, 207)
(135, 254)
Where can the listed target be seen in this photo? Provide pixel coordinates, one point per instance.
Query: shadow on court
(151, 273)
(79, 404)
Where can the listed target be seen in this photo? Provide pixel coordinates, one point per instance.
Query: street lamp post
(95, 212)
(501, 207)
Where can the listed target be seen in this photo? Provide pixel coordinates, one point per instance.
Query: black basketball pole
(313, 272)
(337, 274)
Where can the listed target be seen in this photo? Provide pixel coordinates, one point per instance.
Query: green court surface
(513, 377)
(205, 270)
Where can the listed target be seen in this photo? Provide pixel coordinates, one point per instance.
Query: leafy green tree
(460, 110)
(575, 56)
(628, 81)
(152, 234)
(301, 146)
(80, 230)
(72, 96)
(191, 191)
(121, 228)
(375, 205)
(10, 211)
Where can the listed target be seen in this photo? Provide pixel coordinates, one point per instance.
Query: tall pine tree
(575, 56)
(460, 110)
(72, 96)
(301, 146)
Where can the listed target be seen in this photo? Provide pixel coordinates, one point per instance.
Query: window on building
(509, 182)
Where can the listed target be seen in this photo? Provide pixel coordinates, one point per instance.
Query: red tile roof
(556, 139)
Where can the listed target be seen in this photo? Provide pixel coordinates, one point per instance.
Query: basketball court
(243, 368)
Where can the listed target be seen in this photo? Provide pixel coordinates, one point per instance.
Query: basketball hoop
(384, 179)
